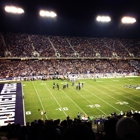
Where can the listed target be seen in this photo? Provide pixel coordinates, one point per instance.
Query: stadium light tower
(128, 20)
(44, 13)
(103, 19)
(14, 10)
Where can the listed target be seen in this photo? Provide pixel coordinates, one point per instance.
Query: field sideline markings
(23, 103)
(90, 102)
(39, 98)
(115, 98)
(102, 100)
(73, 102)
(125, 96)
(56, 100)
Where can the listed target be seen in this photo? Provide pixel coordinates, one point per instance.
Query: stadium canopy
(128, 20)
(45, 13)
(14, 9)
(103, 19)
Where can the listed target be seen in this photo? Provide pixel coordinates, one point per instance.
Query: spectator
(128, 129)
(110, 129)
(77, 132)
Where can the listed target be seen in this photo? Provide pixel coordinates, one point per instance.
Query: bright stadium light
(103, 19)
(128, 20)
(14, 9)
(44, 13)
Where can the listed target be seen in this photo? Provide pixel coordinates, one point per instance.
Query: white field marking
(116, 99)
(130, 88)
(42, 84)
(56, 100)
(122, 103)
(128, 92)
(113, 97)
(28, 112)
(89, 102)
(23, 103)
(125, 92)
(93, 106)
(102, 99)
(23, 84)
(64, 108)
(39, 99)
(73, 102)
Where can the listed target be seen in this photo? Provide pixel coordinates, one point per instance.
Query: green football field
(96, 98)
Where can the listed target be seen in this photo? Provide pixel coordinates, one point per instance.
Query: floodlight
(44, 13)
(14, 9)
(52, 14)
(103, 18)
(128, 20)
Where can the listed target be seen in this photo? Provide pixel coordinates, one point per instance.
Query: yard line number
(62, 108)
(122, 103)
(92, 106)
(66, 108)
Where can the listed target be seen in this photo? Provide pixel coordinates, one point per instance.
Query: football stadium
(65, 86)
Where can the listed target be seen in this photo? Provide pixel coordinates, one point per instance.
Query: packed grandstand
(27, 56)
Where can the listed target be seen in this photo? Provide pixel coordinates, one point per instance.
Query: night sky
(74, 18)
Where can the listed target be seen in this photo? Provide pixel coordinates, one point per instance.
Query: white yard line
(90, 102)
(39, 99)
(74, 102)
(128, 88)
(56, 100)
(102, 99)
(23, 104)
(113, 97)
(125, 92)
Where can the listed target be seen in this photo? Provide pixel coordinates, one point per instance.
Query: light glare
(47, 13)
(128, 20)
(103, 18)
(14, 10)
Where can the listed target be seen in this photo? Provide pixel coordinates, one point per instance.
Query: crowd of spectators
(116, 127)
(2, 50)
(17, 45)
(62, 46)
(42, 46)
(24, 68)
(75, 54)
(28, 45)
